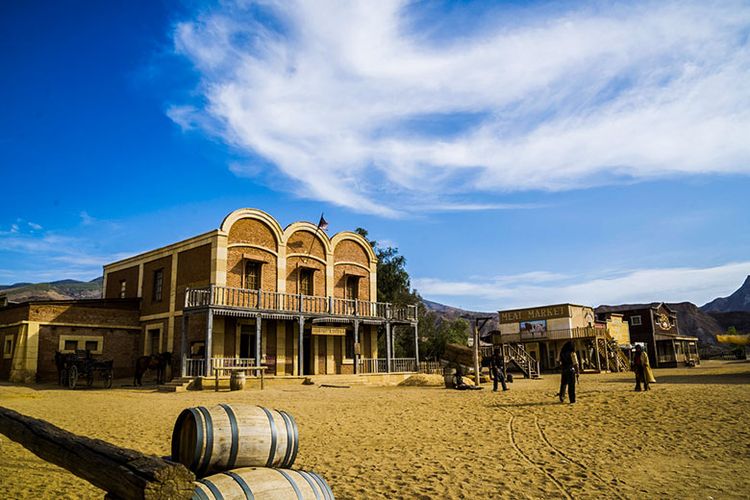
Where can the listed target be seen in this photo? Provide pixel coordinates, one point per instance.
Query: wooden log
(123, 473)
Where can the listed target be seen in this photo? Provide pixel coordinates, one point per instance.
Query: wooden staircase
(619, 362)
(517, 355)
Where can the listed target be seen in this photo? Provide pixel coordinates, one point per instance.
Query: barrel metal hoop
(242, 483)
(176, 435)
(199, 494)
(235, 435)
(292, 482)
(198, 438)
(272, 451)
(323, 484)
(286, 462)
(296, 438)
(211, 486)
(209, 440)
(313, 484)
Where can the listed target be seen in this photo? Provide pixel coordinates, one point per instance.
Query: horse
(158, 362)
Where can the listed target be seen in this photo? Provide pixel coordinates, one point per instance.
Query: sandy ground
(687, 438)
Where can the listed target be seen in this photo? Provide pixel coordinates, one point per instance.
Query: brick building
(250, 292)
(32, 332)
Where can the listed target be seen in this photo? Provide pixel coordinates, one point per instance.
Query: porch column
(388, 345)
(258, 357)
(596, 350)
(209, 332)
(356, 343)
(416, 343)
(301, 354)
(183, 344)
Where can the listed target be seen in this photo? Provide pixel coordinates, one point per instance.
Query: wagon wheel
(72, 377)
(107, 378)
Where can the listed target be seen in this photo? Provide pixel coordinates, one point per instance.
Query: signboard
(536, 328)
(561, 311)
(337, 331)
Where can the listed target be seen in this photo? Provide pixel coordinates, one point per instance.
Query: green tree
(436, 334)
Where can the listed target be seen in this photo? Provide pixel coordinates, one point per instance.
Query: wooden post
(209, 333)
(596, 351)
(476, 353)
(300, 358)
(356, 342)
(388, 352)
(123, 473)
(258, 332)
(183, 343)
(416, 344)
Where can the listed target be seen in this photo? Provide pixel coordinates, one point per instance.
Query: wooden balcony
(224, 297)
(564, 334)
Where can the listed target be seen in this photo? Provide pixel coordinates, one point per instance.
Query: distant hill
(738, 301)
(450, 313)
(55, 290)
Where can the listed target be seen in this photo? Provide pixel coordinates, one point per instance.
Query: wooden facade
(542, 331)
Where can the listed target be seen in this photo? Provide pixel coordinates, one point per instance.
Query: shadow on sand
(693, 378)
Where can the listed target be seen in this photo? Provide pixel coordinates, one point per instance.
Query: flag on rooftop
(323, 224)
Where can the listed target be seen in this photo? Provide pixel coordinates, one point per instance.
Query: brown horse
(158, 362)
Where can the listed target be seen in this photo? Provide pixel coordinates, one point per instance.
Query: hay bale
(423, 380)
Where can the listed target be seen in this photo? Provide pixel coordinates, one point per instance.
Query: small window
(71, 345)
(8, 348)
(158, 285)
(252, 275)
(153, 339)
(306, 282)
(123, 288)
(635, 320)
(92, 345)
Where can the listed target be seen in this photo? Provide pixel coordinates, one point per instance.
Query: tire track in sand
(528, 459)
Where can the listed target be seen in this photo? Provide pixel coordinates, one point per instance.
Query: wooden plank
(123, 473)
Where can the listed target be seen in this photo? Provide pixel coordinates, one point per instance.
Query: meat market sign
(518, 315)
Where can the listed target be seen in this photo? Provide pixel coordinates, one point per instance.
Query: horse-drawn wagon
(74, 367)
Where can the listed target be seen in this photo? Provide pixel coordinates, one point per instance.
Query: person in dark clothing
(642, 369)
(569, 366)
(497, 370)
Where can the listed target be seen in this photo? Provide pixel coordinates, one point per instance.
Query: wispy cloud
(359, 103)
(677, 284)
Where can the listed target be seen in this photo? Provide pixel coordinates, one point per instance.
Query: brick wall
(130, 275)
(148, 305)
(193, 270)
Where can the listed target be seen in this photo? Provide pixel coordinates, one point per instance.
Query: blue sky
(517, 153)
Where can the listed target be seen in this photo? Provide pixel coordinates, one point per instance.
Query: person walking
(569, 365)
(642, 369)
(497, 370)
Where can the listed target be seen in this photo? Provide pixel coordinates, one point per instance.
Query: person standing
(569, 365)
(642, 369)
(497, 370)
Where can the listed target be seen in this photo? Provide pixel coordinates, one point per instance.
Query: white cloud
(14, 228)
(344, 99)
(34, 226)
(678, 284)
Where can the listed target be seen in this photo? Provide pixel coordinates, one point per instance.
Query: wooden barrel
(236, 381)
(260, 483)
(208, 440)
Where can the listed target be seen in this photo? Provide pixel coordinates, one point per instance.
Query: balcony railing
(264, 300)
(567, 333)
(380, 365)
